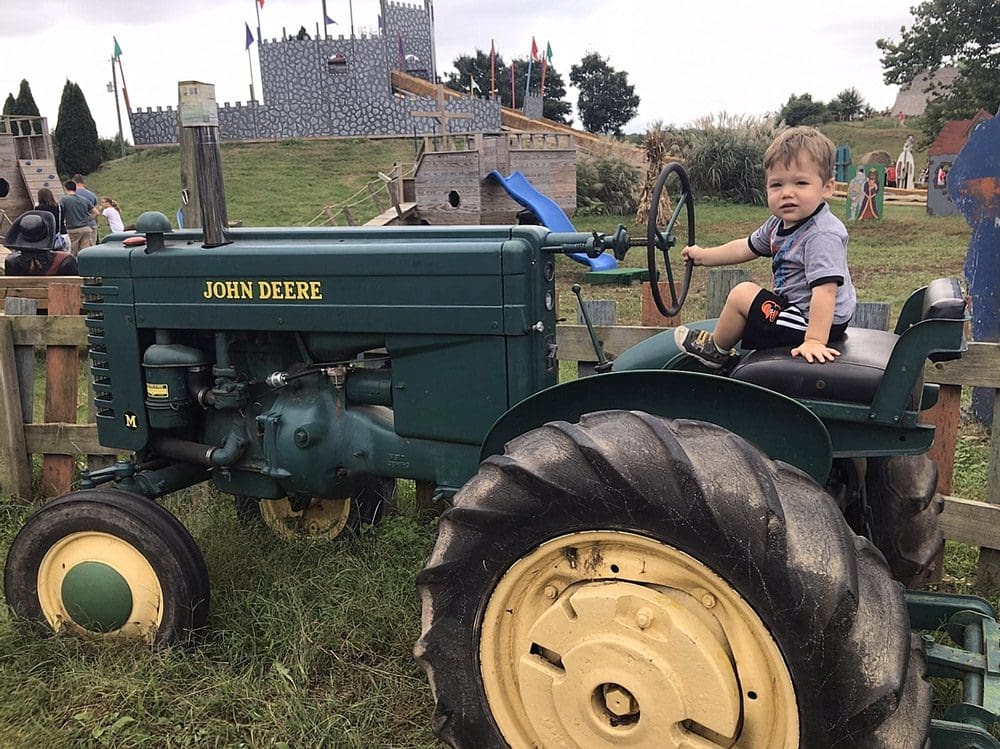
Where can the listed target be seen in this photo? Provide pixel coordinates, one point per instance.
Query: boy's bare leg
(733, 320)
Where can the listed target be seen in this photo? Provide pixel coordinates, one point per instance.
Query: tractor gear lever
(603, 365)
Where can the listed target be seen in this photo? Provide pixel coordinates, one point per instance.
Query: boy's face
(795, 191)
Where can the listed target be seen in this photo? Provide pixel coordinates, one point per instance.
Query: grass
(310, 645)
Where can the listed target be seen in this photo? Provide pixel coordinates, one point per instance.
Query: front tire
(632, 581)
(108, 564)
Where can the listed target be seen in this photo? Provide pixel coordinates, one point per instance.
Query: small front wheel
(106, 564)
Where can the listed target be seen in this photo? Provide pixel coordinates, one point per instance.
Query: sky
(686, 59)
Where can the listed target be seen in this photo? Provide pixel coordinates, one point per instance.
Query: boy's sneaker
(699, 344)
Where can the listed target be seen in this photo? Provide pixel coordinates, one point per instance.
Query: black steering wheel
(663, 241)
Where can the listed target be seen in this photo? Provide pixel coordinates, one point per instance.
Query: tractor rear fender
(780, 426)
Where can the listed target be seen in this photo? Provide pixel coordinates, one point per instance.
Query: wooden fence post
(651, 317)
(988, 577)
(871, 315)
(720, 282)
(62, 372)
(602, 312)
(15, 464)
(24, 356)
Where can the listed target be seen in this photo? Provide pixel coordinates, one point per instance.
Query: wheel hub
(609, 639)
(316, 519)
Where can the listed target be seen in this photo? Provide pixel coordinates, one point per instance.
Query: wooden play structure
(27, 163)
(451, 184)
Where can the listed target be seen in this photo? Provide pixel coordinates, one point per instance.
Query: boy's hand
(812, 350)
(694, 253)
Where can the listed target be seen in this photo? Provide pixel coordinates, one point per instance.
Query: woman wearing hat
(32, 236)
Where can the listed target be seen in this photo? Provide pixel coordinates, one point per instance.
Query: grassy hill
(875, 135)
(286, 183)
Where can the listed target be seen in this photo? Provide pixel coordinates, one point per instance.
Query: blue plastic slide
(548, 213)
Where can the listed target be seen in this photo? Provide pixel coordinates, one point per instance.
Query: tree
(8, 108)
(962, 33)
(849, 105)
(802, 110)
(76, 143)
(25, 104)
(477, 67)
(607, 101)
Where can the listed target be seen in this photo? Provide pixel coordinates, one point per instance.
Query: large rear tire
(905, 511)
(108, 564)
(630, 581)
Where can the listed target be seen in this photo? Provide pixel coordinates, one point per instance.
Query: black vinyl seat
(852, 378)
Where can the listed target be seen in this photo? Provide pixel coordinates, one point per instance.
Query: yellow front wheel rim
(99, 585)
(605, 638)
(321, 520)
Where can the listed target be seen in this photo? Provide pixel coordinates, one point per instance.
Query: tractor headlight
(549, 303)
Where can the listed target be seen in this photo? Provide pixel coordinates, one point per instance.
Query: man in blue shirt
(83, 192)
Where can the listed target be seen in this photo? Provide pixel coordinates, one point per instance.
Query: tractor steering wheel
(663, 241)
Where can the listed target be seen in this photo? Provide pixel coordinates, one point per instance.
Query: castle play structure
(27, 163)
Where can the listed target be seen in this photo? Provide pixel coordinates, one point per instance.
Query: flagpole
(256, 7)
(250, 64)
(513, 100)
(325, 16)
(118, 109)
(350, 8)
(527, 82)
(493, 71)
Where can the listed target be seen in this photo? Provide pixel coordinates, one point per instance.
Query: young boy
(813, 297)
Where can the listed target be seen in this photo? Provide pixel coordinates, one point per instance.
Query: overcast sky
(686, 58)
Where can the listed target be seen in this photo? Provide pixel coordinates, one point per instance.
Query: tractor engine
(294, 362)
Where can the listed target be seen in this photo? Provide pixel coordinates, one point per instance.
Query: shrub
(724, 155)
(606, 186)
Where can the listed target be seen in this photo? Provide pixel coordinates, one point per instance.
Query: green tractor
(653, 556)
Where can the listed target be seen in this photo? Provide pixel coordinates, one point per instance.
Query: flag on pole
(546, 61)
(473, 86)
(534, 50)
(260, 3)
(118, 50)
(329, 20)
(249, 39)
(380, 22)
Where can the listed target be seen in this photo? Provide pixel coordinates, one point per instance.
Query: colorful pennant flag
(249, 35)
(548, 52)
(546, 61)
(118, 50)
(260, 3)
(473, 86)
(329, 20)
(534, 50)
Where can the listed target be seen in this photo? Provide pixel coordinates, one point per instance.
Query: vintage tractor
(652, 556)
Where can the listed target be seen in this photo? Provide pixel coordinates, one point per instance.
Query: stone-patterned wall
(308, 96)
(533, 106)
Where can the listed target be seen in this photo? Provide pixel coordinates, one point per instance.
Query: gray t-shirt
(810, 253)
(76, 211)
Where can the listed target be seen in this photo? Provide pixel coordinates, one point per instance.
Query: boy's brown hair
(797, 143)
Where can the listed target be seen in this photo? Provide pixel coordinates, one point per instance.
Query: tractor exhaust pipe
(198, 115)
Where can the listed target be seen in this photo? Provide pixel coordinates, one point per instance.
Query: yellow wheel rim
(609, 639)
(73, 605)
(322, 520)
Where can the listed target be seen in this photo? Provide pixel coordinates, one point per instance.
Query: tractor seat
(852, 378)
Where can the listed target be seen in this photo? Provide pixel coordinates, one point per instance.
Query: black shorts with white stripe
(773, 321)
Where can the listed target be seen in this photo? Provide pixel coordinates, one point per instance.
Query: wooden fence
(61, 440)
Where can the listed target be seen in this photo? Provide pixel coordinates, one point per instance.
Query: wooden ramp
(38, 173)
(405, 210)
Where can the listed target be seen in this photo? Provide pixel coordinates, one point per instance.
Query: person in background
(83, 192)
(112, 214)
(32, 238)
(77, 213)
(47, 202)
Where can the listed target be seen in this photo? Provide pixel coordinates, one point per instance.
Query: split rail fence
(61, 439)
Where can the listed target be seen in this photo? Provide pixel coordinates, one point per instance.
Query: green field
(310, 645)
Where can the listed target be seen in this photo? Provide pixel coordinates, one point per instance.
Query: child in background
(112, 214)
(813, 297)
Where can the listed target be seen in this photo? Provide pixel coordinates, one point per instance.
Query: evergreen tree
(607, 100)
(25, 104)
(76, 143)
(8, 108)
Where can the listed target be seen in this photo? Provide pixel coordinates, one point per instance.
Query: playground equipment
(27, 163)
(653, 556)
